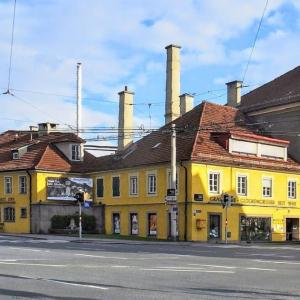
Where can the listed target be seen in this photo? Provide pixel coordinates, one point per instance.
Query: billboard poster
(152, 224)
(116, 223)
(134, 224)
(65, 188)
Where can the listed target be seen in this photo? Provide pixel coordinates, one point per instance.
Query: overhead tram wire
(254, 42)
(7, 92)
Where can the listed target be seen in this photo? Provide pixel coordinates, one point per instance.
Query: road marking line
(213, 266)
(261, 269)
(26, 264)
(101, 256)
(187, 270)
(278, 262)
(122, 266)
(79, 249)
(77, 284)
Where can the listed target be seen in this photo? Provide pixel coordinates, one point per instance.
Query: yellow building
(33, 167)
(218, 153)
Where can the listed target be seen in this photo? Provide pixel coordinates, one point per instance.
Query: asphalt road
(55, 268)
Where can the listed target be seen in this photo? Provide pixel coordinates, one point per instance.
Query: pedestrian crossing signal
(226, 200)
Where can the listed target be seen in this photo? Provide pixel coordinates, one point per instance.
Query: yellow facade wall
(17, 201)
(278, 207)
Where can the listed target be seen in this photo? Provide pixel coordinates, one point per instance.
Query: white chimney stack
(234, 93)
(172, 109)
(186, 103)
(125, 119)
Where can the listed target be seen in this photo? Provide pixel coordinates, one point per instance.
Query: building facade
(34, 165)
(217, 153)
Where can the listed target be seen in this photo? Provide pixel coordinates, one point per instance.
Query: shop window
(242, 185)
(292, 189)
(116, 223)
(9, 214)
(214, 183)
(152, 224)
(133, 181)
(100, 187)
(23, 213)
(267, 187)
(116, 186)
(151, 183)
(134, 224)
(255, 229)
(22, 184)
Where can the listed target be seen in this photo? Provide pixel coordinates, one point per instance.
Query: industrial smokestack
(234, 93)
(125, 119)
(172, 110)
(186, 103)
(79, 99)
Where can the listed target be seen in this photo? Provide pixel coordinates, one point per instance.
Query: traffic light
(79, 196)
(226, 200)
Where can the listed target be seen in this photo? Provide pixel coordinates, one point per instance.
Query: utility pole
(80, 221)
(173, 211)
(79, 99)
(226, 225)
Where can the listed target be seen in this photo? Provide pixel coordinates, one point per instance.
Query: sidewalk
(104, 240)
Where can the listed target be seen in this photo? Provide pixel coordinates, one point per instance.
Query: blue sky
(122, 43)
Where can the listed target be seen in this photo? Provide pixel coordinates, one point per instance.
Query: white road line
(101, 256)
(213, 266)
(29, 264)
(261, 269)
(122, 267)
(28, 249)
(278, 262)
(83, 249)
(77, 284)
(187, 270)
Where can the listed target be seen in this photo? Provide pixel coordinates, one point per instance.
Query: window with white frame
(133, 181)
(151, 183)
(267, 187)
(22, 185)
(214, 182)
(292, 189)
(75, 152)
(242, 182)
(8, 185)
(170, 180)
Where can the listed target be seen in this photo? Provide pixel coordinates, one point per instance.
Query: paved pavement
(61, 268)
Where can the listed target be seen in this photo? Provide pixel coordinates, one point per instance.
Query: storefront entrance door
(214, 227)
(292, 229)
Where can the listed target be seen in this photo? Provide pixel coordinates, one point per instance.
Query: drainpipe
(30, 200)
(185, 199)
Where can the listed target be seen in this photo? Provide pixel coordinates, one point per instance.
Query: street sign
(170, 199)
(87, 204)
(171, 192)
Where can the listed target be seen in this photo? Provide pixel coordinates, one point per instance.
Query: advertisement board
(65, 188)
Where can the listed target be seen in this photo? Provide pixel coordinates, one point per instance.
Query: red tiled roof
(42, 153)
(284, 89)
(195, 141)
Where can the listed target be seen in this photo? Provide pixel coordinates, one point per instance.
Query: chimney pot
(125, 118)
(234, 93)
(186, 103)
